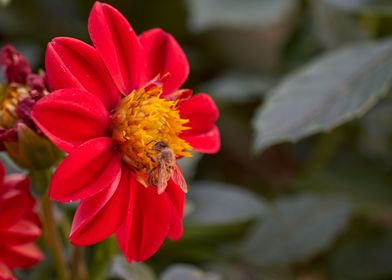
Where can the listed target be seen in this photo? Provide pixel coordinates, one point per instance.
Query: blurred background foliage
(302, 188)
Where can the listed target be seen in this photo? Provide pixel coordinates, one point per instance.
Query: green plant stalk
(78, 268)
(51, 234)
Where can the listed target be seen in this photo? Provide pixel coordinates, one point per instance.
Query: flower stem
(79, 270)
(51, 234)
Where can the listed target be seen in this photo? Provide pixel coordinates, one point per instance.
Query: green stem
(79, 270)
(51, 234)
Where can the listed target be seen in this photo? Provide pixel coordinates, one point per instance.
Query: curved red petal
(70, 117)
(13, 206)
(118, 46)
(88, 169)
(99, 216)
(71, 63)
(207, 142)
(177, 198)
(147, 223)
(5, 272)
(23, 255)
(22, 232)
(201, 112)
(164, 56)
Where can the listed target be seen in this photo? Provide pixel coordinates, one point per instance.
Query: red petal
(22, 232)
(201, 112)
(164, 55)
(147, 223)
(208, 142)
(5, 273)
(13, 206)
(118, 46)
(99, 216)
(23, 255)
(89, 169)
(17, 181)
(177, 198)
(70, 117)
(71, 63)
(2, 174)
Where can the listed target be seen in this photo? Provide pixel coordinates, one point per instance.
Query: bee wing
(179, 179)
(162, 180)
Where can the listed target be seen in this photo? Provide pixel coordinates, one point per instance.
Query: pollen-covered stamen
(142, 120)
(10, 96)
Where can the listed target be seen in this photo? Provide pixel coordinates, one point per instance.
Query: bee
(167, 168)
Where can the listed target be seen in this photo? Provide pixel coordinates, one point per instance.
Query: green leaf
(187, 272)
(298, 228)
(217, 204)
(367, 256)
(334, 27)
(205, 14)
(130, 271)
(331, 90)
(238, 87)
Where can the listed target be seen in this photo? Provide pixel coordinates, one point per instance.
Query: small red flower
(118, 111)
(22, 90)
(19, 226)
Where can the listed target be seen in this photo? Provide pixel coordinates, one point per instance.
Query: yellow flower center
(143, 121)
(10, 95)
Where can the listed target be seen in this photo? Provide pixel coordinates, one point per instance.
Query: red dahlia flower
(19, 225)
(118, 111)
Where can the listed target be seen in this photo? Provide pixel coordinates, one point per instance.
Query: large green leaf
(205, 14)
(221, 204)
(299, 228)
(331, 90)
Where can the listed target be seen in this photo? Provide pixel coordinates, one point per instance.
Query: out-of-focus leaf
(4, 2)
(333, 89)
(221, 204)
(366, 257)
(130, 271)
(205, 14)
(244, 34)
(187, 272)
(238, 271)
(299, 228)
(238, 87)
(334, 27)
(354, 5)
(189, 165)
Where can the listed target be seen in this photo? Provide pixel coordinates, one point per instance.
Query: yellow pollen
(10, 95)
(142, 120)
